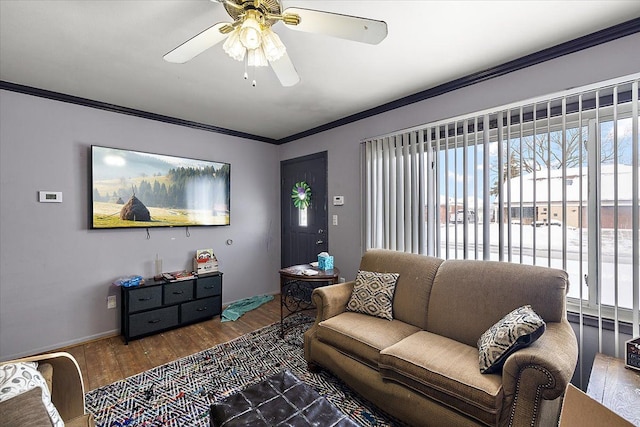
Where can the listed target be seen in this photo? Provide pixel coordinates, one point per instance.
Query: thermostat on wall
(338, 200)
(50, 196)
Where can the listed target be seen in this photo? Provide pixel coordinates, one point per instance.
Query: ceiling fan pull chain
(255, 75)
(246, 73)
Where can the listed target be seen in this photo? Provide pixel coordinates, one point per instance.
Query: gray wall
(55, 273)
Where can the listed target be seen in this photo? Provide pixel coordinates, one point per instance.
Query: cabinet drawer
(154, 320)
(208, 286)
(178, 292)
(144, 298)
(199, 309)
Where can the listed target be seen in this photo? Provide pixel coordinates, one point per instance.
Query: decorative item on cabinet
(205, 262)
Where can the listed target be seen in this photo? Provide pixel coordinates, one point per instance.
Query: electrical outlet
(111, 301)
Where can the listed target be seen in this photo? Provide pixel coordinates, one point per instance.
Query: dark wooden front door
(303, 238)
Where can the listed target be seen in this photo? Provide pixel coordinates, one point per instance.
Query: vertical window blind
(552, 181)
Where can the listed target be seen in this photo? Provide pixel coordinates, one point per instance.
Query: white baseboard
(61, 345)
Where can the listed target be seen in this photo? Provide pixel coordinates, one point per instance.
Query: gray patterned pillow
(373, 294)
(516, 330)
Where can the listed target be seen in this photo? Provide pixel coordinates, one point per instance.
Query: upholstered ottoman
(280, 400)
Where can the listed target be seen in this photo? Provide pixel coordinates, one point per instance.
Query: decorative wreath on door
(301, 195)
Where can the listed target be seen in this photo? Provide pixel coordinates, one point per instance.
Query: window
(552, 181)
(302, 217)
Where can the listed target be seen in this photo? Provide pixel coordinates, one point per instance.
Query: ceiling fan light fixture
(251, 33)
(234, 47)
(249, 36)
(257, 58)
(272, 45)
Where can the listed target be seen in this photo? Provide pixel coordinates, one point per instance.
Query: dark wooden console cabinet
(158, 306)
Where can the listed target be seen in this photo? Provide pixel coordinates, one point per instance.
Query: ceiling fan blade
(197, 44)
(285, 71)
(342, 26)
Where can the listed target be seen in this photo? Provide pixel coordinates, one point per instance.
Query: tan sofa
(422, 367)
(64, 380)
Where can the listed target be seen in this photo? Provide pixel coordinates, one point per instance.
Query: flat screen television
(134, 189)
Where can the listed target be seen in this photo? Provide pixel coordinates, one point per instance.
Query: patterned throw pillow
(17, 378)
(373, 294)
(516, 330)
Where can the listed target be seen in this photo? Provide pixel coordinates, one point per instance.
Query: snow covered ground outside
(549, 246)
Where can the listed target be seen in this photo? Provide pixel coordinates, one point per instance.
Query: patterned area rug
(179, 393)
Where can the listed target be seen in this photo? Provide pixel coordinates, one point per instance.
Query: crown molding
(57, 96)
(594, 39)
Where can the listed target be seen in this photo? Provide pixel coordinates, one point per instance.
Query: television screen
(135, 189)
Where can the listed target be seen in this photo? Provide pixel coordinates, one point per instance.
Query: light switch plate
(338, 200)
(50, 196)
(111, 301)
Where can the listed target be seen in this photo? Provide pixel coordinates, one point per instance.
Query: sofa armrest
(540, 371)
(331, 300)
(67, 393)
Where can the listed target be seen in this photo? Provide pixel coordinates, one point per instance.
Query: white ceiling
(111, 51)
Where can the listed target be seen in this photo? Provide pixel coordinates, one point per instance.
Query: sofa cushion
(13, 413)
(17, 378)
(514, 331)
(46, 370)
(469, 296)
(411, 296)
(446, 371)
(361, 336)
(373, 294)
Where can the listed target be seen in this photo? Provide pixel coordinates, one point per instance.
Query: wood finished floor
(108, 360)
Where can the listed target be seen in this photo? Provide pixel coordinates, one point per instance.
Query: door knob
(319, 242)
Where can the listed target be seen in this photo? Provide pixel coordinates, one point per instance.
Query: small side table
(296, 288)
(616, 387)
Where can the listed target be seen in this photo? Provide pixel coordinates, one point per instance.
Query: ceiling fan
(250, 38)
